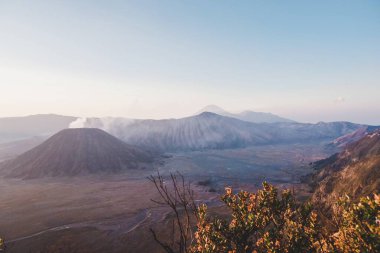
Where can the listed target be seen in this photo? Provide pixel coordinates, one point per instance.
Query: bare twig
(179, 197)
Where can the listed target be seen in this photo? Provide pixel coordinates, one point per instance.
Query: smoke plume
(78, 123)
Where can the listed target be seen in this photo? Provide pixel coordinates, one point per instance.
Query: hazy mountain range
(17, 128)
(206, 130)
(212, 131)
(250, 116)
(9, 150)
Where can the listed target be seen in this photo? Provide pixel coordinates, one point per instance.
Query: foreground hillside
(77, 152)
(355, 171)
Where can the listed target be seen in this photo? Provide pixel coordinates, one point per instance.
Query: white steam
(78, 123)
(115, 126)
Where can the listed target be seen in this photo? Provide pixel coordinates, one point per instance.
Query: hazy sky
(305, 60)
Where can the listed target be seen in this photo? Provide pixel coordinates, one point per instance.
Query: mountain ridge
(17, 128)
(213, 131)
(246, 115)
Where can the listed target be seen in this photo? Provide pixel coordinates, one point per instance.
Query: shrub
(358, 225)
(261, 222)
(1, 245)
(271, 222)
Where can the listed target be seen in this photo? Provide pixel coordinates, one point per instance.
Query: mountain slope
(355, 171)
(250, 116)
(213, 131)
(347, 139)
(203, 131)
(74, 152)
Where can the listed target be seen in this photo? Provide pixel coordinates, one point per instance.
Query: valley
(86, 189)
(115, 209)
(34, 210)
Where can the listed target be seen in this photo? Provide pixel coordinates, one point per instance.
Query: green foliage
(272, 222)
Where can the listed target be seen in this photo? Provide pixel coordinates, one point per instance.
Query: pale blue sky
(306, 60)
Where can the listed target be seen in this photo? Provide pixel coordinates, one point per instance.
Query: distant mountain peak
(212, 108)
(208, 114)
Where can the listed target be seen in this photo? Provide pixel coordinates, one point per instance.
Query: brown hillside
(75, 152)
(355, 171)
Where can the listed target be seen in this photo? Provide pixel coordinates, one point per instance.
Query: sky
(309, 61)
